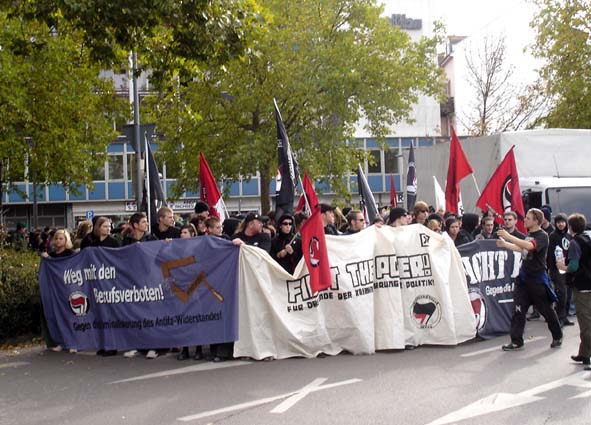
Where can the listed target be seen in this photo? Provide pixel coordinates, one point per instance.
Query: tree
(499, 103)
(563, 40)
(56, 113)
(327, 62)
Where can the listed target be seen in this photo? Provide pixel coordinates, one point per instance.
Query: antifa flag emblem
(426, 312)
(314, 254)
(506, 195)
(78, 303)
(479, 308)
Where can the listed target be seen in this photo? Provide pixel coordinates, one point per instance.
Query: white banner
(391, 287)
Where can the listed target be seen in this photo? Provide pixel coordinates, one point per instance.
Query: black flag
(411, 181)
(288, 174)
(368, 204)
(153, 194)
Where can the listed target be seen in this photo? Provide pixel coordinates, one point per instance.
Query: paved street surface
(473, 383)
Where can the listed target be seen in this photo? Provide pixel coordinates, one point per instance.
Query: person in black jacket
(559, 238)
(102, 234)
(285, 249)
(452, 227)
(252, 233)
(138, 230)
(578, 266)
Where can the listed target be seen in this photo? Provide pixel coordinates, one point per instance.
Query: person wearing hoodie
(469, 224)
(286, 250)
(559, 238)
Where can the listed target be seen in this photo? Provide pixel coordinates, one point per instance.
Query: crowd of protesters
(280, 238)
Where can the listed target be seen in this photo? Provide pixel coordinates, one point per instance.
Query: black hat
(285, 216)
(201, 207)
(547, 211)
(326, 207)
(252, 216)
(395, 214)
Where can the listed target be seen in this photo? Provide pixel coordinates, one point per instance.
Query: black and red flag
(502, 193)
(209, 192)
(308, 201)
(287, 169)
(316, 252)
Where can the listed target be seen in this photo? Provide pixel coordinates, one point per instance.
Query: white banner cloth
(391, 287)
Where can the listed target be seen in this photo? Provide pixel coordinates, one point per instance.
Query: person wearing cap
(201, 208)
(328, 219)
(252, 233)
(547, 225)
(285, 249)
(398, 217)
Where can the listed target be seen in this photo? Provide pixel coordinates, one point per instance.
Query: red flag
(315, 252)
(209, 192)
(309, 193)
(502, 193)
(458, 168)
(393, 198)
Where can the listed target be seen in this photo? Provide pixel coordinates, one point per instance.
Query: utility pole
(136, 132)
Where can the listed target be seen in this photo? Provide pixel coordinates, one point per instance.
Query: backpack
(582, 277)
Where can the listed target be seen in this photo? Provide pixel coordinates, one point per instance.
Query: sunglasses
(286, 223)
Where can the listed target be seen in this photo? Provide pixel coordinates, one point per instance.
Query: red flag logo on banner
(316, 253)
(209, 192)
(502, 193)
(458, 168)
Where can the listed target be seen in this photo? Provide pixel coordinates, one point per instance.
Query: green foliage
(19, 293)
(327, 63)
(57, 114)
(563, 40)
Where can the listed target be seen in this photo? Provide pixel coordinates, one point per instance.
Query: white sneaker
(152, 354)
(129, 354)
(73, 351)
(57, 348)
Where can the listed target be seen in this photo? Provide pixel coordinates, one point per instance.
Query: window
(391, 161)
(98, 173)
(376, 167)
(131, 167)
(115, 167)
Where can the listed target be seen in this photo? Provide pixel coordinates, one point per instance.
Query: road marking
(310, 388)
(286, 404)
(497, 348)
(13, 364)
(195, 368)
(510, 300)
(502, 401)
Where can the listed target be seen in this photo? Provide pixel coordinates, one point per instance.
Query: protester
(102, 234)
(510, 220)
(487, 230)
(559, 239)
(252, 233)
(138, 230)
(355, 222)
(398, 217)
(578, 267)
(84, 229)
(62, 247)
(166, 226)
(328, 219)
(452, 227)
(532, 285)
(286, 249)
(420, 213)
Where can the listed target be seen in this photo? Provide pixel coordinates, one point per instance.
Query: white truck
(554, 167)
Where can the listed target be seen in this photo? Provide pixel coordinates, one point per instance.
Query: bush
(19, 293)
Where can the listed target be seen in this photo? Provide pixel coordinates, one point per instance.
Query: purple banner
(157, 294)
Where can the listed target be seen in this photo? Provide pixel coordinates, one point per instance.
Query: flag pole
(476, 184)
(147, 183)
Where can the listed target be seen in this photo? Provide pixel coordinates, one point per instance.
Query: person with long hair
(102, 234)
(62, 247)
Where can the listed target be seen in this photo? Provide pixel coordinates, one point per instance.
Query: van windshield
(569, 200)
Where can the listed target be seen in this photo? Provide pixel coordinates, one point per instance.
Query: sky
(477, 18)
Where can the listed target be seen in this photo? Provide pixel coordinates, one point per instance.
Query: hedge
(19, 293)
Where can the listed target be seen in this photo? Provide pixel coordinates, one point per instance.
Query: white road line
(497, 348)
(13, 364)
(510, 300)
(262, 401)
(195, 368)
(286, 404)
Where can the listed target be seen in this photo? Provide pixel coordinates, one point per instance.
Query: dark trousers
(526, 294)
(561, 289)
(583, 306)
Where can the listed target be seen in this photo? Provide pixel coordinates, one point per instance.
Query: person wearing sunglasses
(355, 222)
(285, 249)
(420, 213)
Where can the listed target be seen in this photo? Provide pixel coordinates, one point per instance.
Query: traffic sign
(89, 215)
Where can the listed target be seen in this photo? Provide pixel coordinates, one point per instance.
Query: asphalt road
(472, 383)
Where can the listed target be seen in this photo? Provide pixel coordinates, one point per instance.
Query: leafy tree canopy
(328, 62)
(563, 39)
